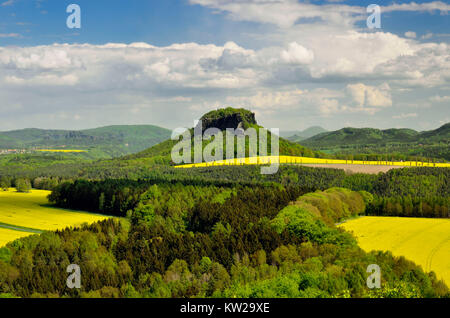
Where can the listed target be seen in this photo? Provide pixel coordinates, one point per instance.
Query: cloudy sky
(166, 62)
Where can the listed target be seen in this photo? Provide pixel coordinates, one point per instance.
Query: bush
(23, 185)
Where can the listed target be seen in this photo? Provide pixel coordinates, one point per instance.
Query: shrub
(23, 185)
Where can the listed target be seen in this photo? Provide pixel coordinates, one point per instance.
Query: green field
(23, 214)
(424, 241)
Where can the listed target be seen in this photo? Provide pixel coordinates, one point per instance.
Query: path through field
(356, 168)
(424, 241)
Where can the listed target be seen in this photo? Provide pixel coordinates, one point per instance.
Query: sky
(294, 63)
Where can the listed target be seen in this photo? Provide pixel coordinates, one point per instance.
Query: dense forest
(210, 241)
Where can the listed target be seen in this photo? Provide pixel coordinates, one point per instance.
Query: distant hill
(433, 143)
(222, 119)
(361, 136)
(110, 141)
(297, 135)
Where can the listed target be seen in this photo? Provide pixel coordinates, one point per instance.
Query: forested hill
(110, 141)
(377, 136)
(225, 118)
(433, 143)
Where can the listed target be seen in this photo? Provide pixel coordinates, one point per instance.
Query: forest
(226, 232)
(209, 241)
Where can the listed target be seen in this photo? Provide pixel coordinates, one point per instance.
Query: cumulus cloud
(191, 74)
(312, 59)
(358, 98)
(429, 66)
(195, 66)
(418, 7)
(297, 54)
(286, 13)
(268, 100)
(119, 65)
(283, 13)
(364, 95)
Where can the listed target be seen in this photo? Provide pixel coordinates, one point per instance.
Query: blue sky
(162, 22)
(295, 63)
(158, 22)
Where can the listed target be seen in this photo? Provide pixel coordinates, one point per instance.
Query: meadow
(23, 214)
(424, 241)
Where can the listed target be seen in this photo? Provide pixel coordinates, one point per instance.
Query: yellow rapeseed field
(7, 235)
(305, 160)
(60, 150)
(32, 211)
(424, 241)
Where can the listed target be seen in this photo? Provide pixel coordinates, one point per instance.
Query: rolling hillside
(433, 143)
(104, 142)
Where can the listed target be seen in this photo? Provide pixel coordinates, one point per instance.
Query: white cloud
(429, 66)
(309, 58)
(364, 95)
(268, 100)
(353, 53)
(283, 13)
(137, 64)
(297, 54)
(418, 7)
(359, 98)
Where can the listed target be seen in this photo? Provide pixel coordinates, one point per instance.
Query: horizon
(164, 62)
(172, 128)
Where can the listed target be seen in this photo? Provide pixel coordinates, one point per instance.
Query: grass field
(424, 241)
(261, 160)
(23, 214)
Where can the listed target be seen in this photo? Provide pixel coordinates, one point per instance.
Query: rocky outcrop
(228, 118)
